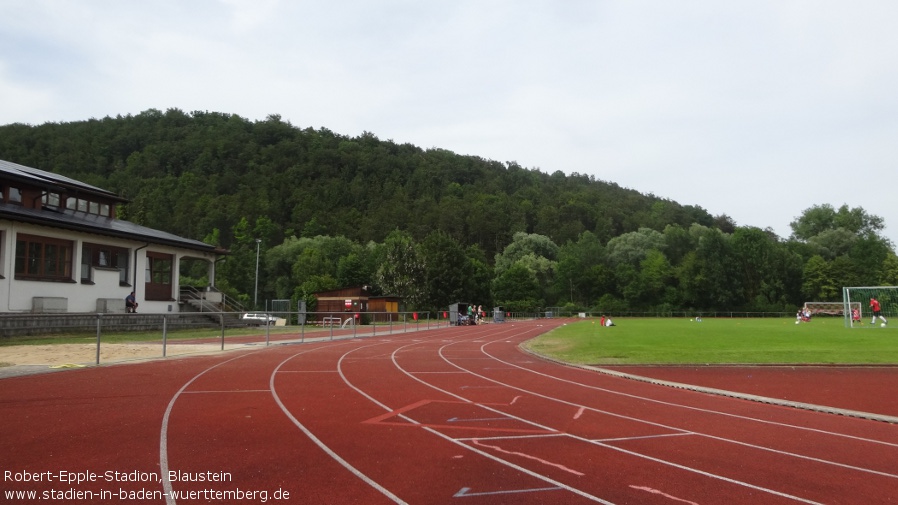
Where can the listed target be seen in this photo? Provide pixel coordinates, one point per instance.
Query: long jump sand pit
(86, 354)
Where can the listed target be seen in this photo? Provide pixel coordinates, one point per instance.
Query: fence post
(164, 335)
(221, 318)
(99, 320)
(267, 329)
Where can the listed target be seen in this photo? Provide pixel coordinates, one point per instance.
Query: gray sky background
(757, 109)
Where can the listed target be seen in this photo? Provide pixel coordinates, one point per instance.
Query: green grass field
(719, 341)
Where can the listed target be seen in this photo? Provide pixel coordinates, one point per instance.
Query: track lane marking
(713, 437)
(163, 434)
(698, 409)
(612, 447)
(655, 491)
(466, 492)
(469, 447)
(324, 447)
(528, 456)
(626, 439)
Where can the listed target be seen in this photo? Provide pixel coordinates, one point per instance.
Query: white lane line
(699, 409)
(625, 439)
(336, 457)
(469, 447)
(226, 391)
(713, 437)
(163, 434)
(466, 492)
(618, 449)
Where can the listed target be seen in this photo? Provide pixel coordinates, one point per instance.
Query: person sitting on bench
(131, 304)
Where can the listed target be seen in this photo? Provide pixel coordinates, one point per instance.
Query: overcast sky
(757, 109)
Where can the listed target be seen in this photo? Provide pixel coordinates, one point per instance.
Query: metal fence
(85, 339)
(80, 339)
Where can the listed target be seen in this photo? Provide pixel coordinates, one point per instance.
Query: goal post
(859, 297)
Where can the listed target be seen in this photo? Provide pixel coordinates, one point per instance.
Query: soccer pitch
(719, 341)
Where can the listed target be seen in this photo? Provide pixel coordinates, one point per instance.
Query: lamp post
(256, 295)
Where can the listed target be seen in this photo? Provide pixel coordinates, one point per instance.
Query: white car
(259, 318)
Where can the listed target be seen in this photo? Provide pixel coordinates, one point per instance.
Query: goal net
(830, 308)
(860, 297)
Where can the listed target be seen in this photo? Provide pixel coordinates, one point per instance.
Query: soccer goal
(829, 308)
(859, 298)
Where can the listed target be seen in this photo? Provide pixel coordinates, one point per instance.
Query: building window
(43, 258)
(86, 264)
(88, 206)
(122, 257)
(104, 256)
(51, 200)
(15, 195)
(159, 269)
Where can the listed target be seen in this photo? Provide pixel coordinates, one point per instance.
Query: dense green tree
(706, 275)
(526, 244)
(867, 255)
(889, 275)
(580, 275)
(821, 218)
(818, 283)
(633, 247)
(517, 289)
(446, 270)
(478, 285)
(402, 272)
(656, 279)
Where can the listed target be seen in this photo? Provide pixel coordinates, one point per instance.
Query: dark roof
(101, 225)
(40, 178)
(80, 221)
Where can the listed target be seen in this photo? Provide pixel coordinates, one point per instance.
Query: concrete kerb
(722, 392)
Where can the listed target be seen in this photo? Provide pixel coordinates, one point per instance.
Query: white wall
(17, 295)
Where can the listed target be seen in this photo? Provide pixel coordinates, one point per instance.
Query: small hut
(341, 304)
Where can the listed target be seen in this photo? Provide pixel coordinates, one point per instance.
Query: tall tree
(446, 270)
(402, 272)
(821, 218)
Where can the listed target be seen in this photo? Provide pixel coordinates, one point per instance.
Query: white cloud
(759, 110)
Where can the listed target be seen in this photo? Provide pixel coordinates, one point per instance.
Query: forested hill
(435, 227)
(194, 173)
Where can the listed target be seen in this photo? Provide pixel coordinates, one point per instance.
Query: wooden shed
(346, 302)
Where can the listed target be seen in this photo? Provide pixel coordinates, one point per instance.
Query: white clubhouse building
(62, 250)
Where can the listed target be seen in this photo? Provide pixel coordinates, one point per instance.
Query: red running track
(455, 415)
